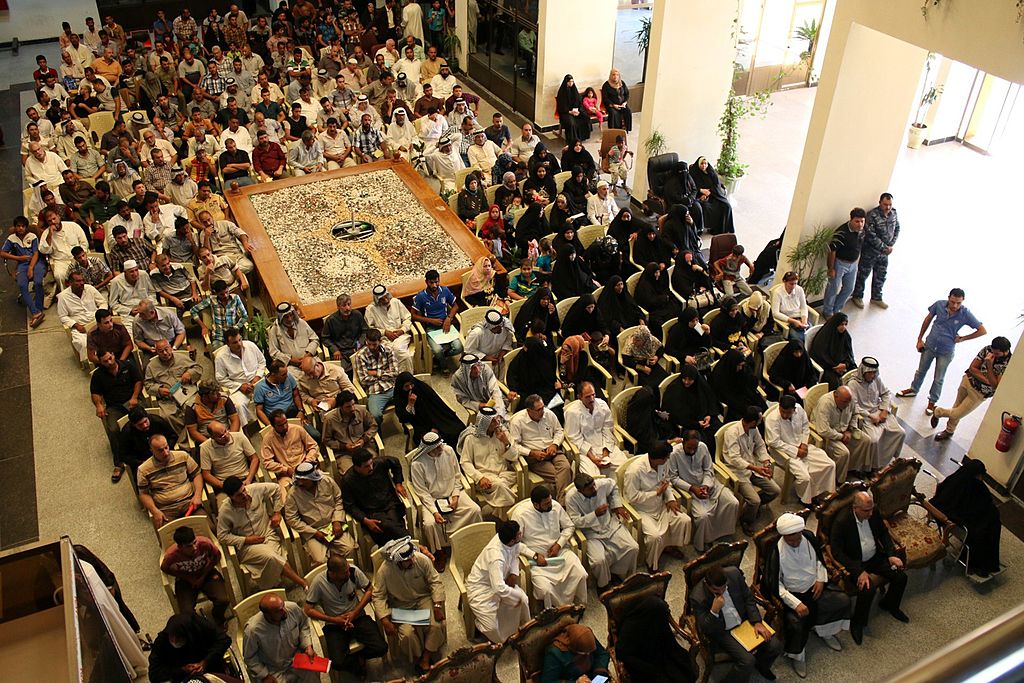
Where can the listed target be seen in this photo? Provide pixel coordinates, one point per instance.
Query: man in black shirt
(189, 645)
(134, 437)
(234, 164)
(842, 262)
(115, 387)
(372, 493)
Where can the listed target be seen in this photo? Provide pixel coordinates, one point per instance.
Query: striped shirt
(383, 362)
(169, 483)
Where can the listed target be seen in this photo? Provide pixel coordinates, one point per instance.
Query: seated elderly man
(77, 306)
(491, 338)
(134, 438)
(487, 458)
(154, 323)
(401, 135)
(128, 290)
(537, 436)
(314, 511)
(588, 424)
(499, 604)
(226, 454)
(476, 387)
(224, 238)
(394, 320)
(214, 269)
(210, 405)
(834, 420)
(285, 447)
(344, 331)
(347, 428)
(437, 481)
(291, 339)
(860, 541)
(238, 369)
(713, 506)
(596, 509)
(171, 379)
(373, 491)
(547, 530)
(646, 484)
(601, 207)
(795, 573)
(108, 335)
(251, 523)
(788, 432)
(871, 403)
(59, 237)
(745, 455)
(115, 388)
(407, 580)
(320, 384)
(170, 483)
(271, 640)
(332, 599)
(175, 284)
(307, 156)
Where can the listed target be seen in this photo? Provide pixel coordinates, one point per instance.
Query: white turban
(788, 523)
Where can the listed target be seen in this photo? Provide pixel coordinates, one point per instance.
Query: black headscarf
(641, 421)
(532, 310)
(575, 190)
(789, 369)
(687, 406)
(684, 340)
(541, 155)
(578, 321)
(472, 203)
(680, 233)
(571, 158)
(646, 250)
(618, 310)
(647, 645)
(432, 413)
(652, 293)
(687, 281)
(546, 184)
(831, 347)
(767, 260)
(569, 276)
(559, 241)
(727, 331)
(559, 218)
(736, 387)
(962, 495)
(568, 97)
(533, 370)
(708, 180)
(532, 225)
(679, 187)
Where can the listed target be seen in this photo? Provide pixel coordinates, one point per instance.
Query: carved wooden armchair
(533, 638)
(471, 664)
(894, 493)
(694, 571)
(764, 539)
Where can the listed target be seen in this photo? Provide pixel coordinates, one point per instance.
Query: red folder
(303, 662)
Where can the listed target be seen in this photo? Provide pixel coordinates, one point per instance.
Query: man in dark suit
(721, 602)
(861, 543)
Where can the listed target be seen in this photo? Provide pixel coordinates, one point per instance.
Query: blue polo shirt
(429, 307)
(945, 326)
(275, 396)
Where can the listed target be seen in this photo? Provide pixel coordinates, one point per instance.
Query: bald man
(272, 639)
(834, 420)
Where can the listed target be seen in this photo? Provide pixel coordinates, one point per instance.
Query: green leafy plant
(257, 329)
(807, 31)
(737, 108)
(642, 36)
(808, 259)
(929, 92)
(450, 46)
(655, 144)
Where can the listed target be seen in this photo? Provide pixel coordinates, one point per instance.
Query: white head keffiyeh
(398, 549)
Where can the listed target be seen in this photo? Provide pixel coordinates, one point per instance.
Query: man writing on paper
(558, 577)
(437, 481)
(407, 581)
(331, 598)
(499, 605)
(721, 602)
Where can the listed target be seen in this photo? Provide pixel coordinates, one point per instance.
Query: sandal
(116, 475)
(36, 320)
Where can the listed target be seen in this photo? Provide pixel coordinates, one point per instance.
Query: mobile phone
(599, 679)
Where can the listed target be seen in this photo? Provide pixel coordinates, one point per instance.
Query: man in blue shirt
(435, 308)
(280, 391)
(945, 318)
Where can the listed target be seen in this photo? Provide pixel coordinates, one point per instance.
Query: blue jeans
(35, 301)
(840, 287)
(442, 352)
(942, 361)
(376, 403)
(797, 334)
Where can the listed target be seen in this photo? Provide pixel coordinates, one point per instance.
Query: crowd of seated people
(280, 448)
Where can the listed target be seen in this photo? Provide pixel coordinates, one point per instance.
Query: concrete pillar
(689, 71)
(1009, 397)
(862, 110)
(574, 37)
(462, 31)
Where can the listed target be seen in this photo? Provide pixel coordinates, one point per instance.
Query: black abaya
(736, 387)
(533, 370)
(653, 295)
(575, 126)
(718, 216)
(966, 500)
(617, 118)
(643, 423)
(432, 413)
(687, 406)
(579, 321)
(830, 348)
(569, 275)
(533, 309)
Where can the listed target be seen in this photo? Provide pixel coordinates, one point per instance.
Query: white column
(689, 71)
(574, 37)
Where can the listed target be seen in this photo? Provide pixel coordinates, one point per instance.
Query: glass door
(503, 52)
(994, 119)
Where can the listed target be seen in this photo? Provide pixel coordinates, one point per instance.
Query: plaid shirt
(94, 273)
(367, 142)
(231, 314)
(157, 177)
(383, 362)
(185, 29)
(137, 248)
(214, 85)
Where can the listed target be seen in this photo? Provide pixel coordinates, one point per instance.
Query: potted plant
(929, 93)
(808, 31)
(257, 329)
(655, 144)
(737, 107)
(643, 42)
(808, 260)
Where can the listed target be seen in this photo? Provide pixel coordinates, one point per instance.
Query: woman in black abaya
(645, 421)
(540, 307)
(617, 307)
(653, 295)
(573, 117)
(534, 371)
(735, 385)
(792, 370)
(832, 349)
(679, 188)
(965, 499)
(615, 98)
(651, 247)
(691, 404)
(429, 412)
(677, 228)
(570, 276)
(714, 201)
(577, 155)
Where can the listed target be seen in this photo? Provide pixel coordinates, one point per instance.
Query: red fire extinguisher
(1010, 425)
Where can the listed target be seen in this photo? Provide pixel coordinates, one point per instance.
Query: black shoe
(858, 634)
(934, 422)
(766, 672)
(899, 615)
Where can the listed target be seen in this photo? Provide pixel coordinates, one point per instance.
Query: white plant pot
(915, 138)
(732, 185)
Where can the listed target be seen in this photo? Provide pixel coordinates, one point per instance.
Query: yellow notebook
(746, 636)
